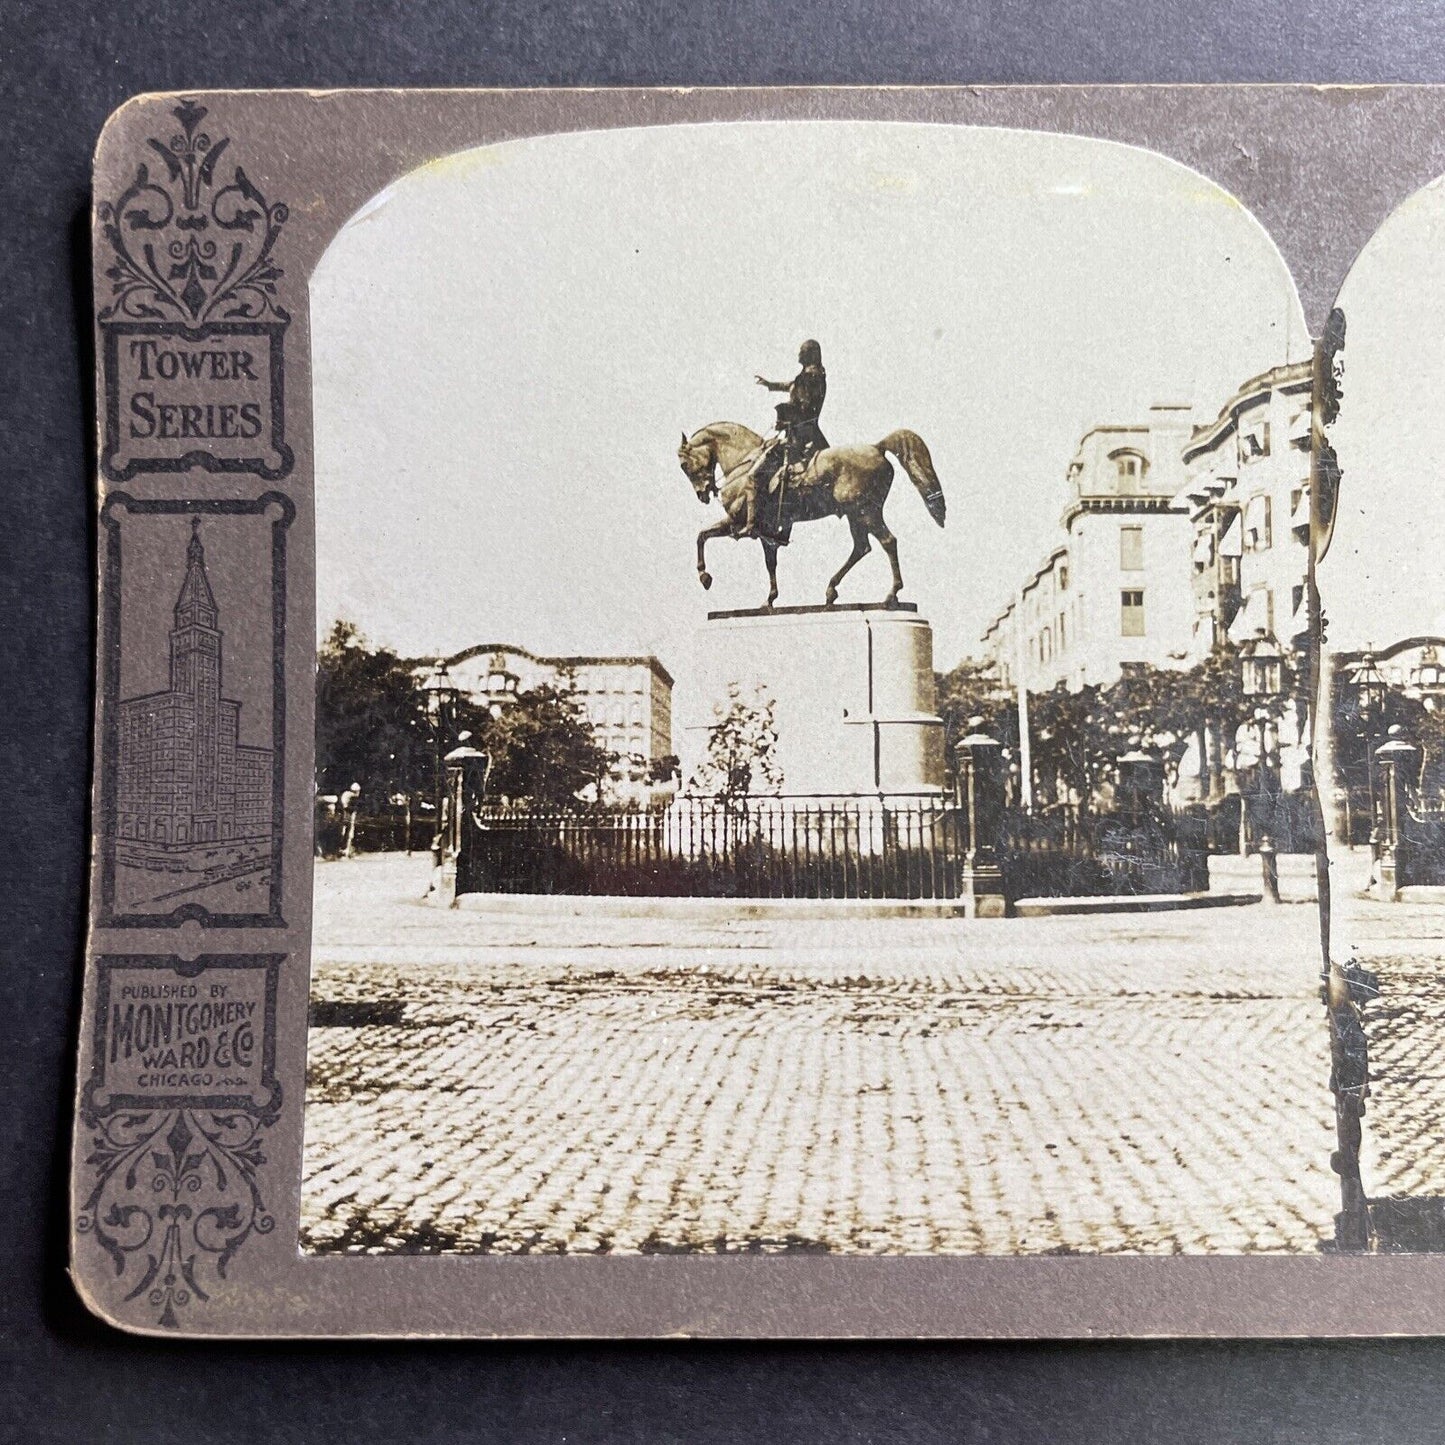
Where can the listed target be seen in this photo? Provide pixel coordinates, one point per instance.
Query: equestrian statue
(768, 484)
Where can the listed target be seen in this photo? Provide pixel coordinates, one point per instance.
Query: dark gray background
(66, 1377)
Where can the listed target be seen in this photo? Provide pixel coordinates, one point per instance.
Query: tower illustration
(186, 781)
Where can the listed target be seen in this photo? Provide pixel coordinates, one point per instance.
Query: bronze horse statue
(851, 482)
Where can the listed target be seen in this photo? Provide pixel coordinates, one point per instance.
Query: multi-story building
(1248, 496)
(627, 699)
(1109, 594)
(185, 779)
(1176, 540)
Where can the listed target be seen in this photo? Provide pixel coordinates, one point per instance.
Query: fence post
(981, 884)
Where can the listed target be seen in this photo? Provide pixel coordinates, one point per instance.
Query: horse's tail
(912, 452)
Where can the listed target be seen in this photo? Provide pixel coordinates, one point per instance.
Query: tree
(1076, 735)
(661, 771)
(1157, 709)
(742, 746)
(371, 726)
(1070, 741)
(1424, 725)
(1420, 719)
(542, 746)
(970, 690)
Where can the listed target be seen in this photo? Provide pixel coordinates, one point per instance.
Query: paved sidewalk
(523, 1081)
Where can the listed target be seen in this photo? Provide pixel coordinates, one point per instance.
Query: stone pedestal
(852, 690)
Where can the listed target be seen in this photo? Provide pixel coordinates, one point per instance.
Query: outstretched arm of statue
(772, 385)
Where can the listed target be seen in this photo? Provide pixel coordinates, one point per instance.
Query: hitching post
(980, 770)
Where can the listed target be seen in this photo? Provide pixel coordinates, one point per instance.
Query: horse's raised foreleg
(770, 556)
(718, 529)
(861, 544)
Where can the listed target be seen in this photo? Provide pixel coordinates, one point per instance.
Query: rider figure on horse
(797, 439)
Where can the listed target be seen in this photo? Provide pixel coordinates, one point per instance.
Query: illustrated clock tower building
(196, 674)
(186, 781)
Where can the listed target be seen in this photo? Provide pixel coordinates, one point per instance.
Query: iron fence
(905, 849)
(719, 849)
(1064, 852)
(1423, 855)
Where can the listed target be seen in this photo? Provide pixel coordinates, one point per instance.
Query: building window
(1131, 613)
(1131, 549)
(1253, 441)
(1063, 635)
(1063, 576)
(1257, 525)
(1130, 467)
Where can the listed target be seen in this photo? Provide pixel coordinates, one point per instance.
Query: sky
(1381, 579)
(509, 342)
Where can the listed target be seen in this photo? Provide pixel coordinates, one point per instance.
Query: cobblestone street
(484, 1081)
(1403, 1157)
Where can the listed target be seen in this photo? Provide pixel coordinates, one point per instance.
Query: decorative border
(191, 258)
(176, 1175)
(110, 647)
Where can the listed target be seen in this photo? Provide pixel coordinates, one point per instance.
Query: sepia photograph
(814, 707)
(1382, 757)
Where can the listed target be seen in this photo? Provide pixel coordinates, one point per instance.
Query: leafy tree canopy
(542, 746)
(742, 743)
(1076, 735)
(372, 729)
(371, 726)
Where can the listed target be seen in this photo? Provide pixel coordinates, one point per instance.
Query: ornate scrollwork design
(175, 1197)
(187, 248)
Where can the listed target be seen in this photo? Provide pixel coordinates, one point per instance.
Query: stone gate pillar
(1398, 766)
(981, 780)
(466, 780)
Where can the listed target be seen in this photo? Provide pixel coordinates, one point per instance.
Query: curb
(557, 905)
(1135, 903)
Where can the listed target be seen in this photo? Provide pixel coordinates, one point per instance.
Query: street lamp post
(1371, 694)
(1261, 666)
(441, 697)
(1262, 678)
